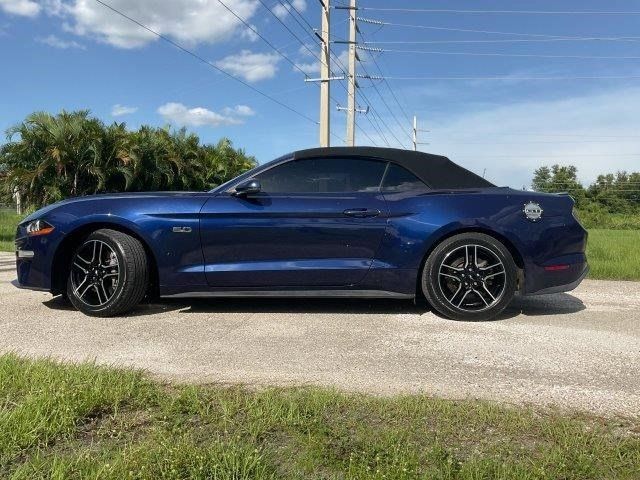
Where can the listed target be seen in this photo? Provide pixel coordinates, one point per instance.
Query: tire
(108, 274)
(470, 277)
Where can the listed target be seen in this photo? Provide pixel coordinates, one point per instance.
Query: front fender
(168, 226)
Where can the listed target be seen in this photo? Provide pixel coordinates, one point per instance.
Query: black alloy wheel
(470, 276)
(108, 274)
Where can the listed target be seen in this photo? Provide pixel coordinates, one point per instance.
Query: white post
(16, 194)
(351, 94)
(325, 74)
(415, 133)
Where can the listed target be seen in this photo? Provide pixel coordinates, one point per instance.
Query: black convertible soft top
(436, 171)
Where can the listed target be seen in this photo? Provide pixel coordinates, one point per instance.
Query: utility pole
(352, 85)
(415, 131)
(325, 74)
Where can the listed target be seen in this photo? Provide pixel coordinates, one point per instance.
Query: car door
(315, 223)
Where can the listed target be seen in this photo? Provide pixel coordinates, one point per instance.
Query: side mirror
(247, 187)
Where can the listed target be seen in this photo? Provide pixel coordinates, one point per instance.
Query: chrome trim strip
(294, 294)
(25, 253)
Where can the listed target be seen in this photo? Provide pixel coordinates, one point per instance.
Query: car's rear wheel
(470, 276)
(108, 274)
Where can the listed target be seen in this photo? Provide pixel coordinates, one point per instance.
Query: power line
(504, 12)
(372, 111)
(585, 135)
(265, 40)
(308, 31)
(379, 130)
(388, 108)
(510, 40)
(364, 132)
(507, 77)
(388, 85)
(304, 19)
(466, 30)
(353, 45)
(577, 155)
(273, 46)
(494, 54)
(295, 65)
(287, 27)
(206, 62)
(210, 81)
(313, 54)
(373, 114)
(518, 142)
(344, 69)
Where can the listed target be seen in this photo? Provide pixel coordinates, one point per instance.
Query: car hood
(107, 196)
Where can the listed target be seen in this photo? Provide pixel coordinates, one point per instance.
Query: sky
(499, 93)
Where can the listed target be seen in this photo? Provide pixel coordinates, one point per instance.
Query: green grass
(8, 223)
(614, 254)
(601, 219)
(82, 421)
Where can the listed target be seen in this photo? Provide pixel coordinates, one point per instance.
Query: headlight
(39, 227)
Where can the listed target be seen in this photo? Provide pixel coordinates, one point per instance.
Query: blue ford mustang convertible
(328, 222)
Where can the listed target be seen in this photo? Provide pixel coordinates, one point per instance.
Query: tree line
(617, 193)
(51, 157)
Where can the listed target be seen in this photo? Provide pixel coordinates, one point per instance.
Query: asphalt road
(578, 350)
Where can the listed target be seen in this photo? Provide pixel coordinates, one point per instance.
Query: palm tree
(51, 157)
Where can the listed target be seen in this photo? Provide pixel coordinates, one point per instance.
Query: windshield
(249, 173)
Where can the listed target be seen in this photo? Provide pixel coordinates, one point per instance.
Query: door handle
(362, 212)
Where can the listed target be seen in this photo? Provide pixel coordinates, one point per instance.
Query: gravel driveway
(578, 350)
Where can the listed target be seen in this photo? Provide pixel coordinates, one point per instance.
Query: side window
(329, 175)
(399, 179)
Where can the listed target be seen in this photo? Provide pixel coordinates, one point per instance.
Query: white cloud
(26, 8)
(308, 68)
(240, 110)
(308, 50)
(249, 34)
(198, 116)
(187, 21)
(282, 9)
(250, 66)
(118, 110)
(57, 42)
(512, 140)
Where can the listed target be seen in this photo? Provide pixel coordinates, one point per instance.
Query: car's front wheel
(470, 276)
(108, 274)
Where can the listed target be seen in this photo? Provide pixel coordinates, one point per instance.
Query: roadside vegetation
(83, 421)
(52, 157)
(611, 202)
(8, 223)
(614, 254)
